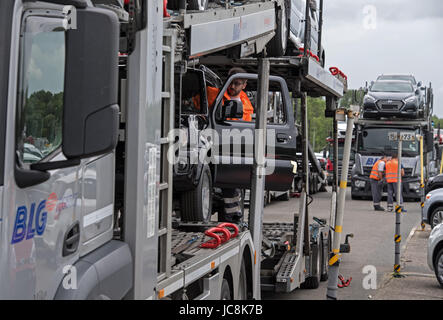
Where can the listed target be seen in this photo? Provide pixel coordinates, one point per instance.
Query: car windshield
(376, 141)
(398, 77)
(392, 87)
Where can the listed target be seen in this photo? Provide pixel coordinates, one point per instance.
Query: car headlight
(411, 99)
(368, 98)
(414, 185)
(360, 183)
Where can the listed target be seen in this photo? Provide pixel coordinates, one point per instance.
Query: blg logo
(29, 223)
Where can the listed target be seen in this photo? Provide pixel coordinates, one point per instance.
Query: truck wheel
(277, 46)
(196, 205)
(225, 293)
(436, 217)
(313, 281)
(438, 267)
(243, 285)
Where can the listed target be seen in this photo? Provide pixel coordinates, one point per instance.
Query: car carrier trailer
(96, 211)
(372, 142)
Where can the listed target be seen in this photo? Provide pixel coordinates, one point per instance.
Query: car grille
(389, 104)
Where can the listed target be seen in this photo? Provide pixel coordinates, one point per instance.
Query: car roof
(396, 74)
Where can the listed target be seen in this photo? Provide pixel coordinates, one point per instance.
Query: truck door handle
(71, 240)
(283, 137)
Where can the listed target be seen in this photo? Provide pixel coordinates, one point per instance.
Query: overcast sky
(403, 36)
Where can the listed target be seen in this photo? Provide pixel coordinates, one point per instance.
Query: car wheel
(438, 267)
(196, 205)
(436, 217)
(277, 46)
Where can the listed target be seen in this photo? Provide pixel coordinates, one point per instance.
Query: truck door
(46, 213)
(235, 136)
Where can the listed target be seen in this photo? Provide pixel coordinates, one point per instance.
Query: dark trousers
(376, 189)
(392, 192)
(232, 205)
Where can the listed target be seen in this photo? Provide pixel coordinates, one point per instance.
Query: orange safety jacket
(392, 171)
(374, 172)
(248, 110)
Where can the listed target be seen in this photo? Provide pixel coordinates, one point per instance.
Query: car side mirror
(232, 109)
(419, 84)
(417, 91)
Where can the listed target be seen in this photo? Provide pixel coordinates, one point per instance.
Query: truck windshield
(392, 87)
(376, 141)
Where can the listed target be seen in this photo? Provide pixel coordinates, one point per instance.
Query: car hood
(391, 95)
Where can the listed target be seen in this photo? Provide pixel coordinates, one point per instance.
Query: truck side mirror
(90, 118)
(232, 109)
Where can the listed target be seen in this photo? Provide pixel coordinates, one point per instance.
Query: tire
(438, 267)
(225, 292)
(436, 217)
(313, 281)
(324, 262)
(196, 205)
(277, 46)
(200, 5)
(354, 197)
(243, 284)
(284, 197)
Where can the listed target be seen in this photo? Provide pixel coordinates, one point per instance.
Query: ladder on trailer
(166, 169)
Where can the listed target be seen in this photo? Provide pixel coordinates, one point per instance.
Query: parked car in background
(434, 183)
(433, 208)
(435, 252)
(392, 98)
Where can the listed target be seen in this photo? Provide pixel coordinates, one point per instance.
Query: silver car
(435, 252)
(433, 208)
(297, 25)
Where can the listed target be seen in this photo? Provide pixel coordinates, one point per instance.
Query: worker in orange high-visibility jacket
(376, 179)
(233, 92)
(392, 179)
(231, 196)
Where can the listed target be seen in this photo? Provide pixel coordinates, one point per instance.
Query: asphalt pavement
(371, 260)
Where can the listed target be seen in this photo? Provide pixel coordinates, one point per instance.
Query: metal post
(334, 261)
(259, 170)
(307, 39)
(397, 237)
(422, 184)
(305, 191)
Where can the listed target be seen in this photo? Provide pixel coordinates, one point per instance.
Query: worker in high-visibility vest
(376, 179)
(392, 179)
